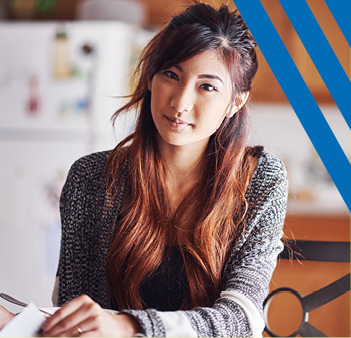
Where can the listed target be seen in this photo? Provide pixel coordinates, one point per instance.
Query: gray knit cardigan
(87, 225)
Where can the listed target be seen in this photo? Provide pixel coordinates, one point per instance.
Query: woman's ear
(239, 102)
(149, 84)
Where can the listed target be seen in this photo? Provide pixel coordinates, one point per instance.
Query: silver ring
(80, 331)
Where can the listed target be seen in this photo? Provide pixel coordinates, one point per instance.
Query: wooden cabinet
(333, 318)
(266, 87)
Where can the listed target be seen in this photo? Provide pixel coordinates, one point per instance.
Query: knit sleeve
(81, 201)
(73, 262)
(248, 271)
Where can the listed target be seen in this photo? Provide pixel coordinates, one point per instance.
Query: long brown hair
(218, 202)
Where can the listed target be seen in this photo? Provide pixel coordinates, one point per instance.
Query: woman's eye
(171, 74)
(208, 87)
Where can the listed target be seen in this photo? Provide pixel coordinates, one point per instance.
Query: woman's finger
(69, 317)
(90, 334)
(92, 323)
(66, 327)
(63, 312)
(73, 332)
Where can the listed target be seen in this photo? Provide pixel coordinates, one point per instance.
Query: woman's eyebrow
(210, 76)
(202, 76)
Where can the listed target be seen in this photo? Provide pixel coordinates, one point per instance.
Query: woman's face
(189, 101)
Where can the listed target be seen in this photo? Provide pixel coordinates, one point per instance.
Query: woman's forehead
(205, 63)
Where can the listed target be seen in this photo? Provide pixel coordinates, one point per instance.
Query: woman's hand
(5, 317)
(84, 318)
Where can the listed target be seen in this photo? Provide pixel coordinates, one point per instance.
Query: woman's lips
(176, 123)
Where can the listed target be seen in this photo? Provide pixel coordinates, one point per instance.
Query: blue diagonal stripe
(298, 95)
(341, 10)
(321, 53)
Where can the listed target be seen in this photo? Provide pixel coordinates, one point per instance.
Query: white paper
(25, 324)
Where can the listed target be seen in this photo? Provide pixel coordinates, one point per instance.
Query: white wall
(311, 189)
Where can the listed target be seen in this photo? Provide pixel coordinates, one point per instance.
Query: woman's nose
(183, 99)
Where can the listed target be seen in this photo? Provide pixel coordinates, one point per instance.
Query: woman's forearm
(5, 317)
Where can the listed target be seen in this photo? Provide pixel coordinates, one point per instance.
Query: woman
(178, 228)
